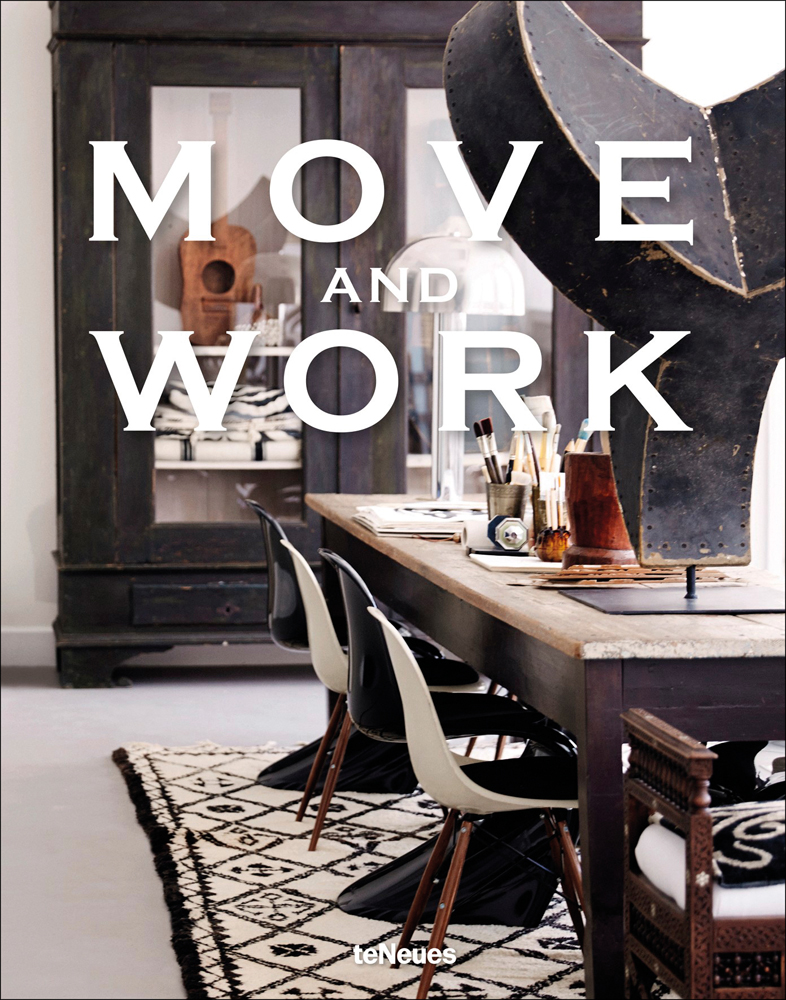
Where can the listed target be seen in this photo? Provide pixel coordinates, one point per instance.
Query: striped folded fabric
(259, 426)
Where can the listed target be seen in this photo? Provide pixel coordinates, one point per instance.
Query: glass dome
(489, 280)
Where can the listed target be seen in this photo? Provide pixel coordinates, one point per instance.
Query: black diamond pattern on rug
(253, 911)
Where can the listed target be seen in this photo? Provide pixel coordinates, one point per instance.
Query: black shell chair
(286, 617)
(374, 701)
(368, 765)
(375, 706)
(509, 875)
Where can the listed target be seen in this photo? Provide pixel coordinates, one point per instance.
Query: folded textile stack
(260, 427)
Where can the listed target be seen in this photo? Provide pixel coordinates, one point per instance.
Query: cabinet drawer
(199, 604)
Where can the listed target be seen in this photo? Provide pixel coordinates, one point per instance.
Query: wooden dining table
(717, 677)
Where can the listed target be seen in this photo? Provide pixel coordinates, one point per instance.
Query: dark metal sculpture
(536, 71)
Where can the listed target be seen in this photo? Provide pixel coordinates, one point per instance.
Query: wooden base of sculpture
(597, 529)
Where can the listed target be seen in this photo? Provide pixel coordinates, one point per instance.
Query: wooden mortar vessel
(597, 529)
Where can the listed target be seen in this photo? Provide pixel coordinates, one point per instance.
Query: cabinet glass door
(179, 493)
(248, 278)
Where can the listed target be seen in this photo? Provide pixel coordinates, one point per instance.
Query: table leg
(600, 816)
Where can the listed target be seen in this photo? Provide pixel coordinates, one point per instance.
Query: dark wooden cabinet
(133, 575)
(130, 579)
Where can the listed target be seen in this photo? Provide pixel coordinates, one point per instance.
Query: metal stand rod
(447, 447)
(437, 479)
(690, 592)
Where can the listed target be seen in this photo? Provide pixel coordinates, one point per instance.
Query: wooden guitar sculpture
(522, 70)
(218, 274)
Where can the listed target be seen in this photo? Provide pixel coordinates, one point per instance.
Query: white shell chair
(469, 789)
(332, 668)
(327, 657)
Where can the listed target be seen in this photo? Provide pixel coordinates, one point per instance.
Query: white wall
(709, 51)
(28, 338)
(741, 42)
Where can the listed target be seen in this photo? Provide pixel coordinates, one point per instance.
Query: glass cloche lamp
(489, 283)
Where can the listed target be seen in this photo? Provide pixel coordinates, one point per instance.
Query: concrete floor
(84, 914)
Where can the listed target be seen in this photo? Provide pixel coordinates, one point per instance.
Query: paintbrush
(520, 458)
(488, 430)
(511, 458)
(514, 458)
(561, 519)
(532, 459)
(547, 441)
(583, 436)
(569, 447)
(484, 450)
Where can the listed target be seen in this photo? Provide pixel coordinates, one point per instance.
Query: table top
(575, 629)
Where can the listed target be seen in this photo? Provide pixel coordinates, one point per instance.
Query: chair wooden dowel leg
(421, 899)
(319, 759)
(446, 901)
(503, 739)
(566, 862)
(571, 861)
(550, 823)
(571, 881)
(332, 779)
(551, 830)
(493, 688)
(576, 915)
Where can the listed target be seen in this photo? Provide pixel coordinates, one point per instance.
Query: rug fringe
(160, 837)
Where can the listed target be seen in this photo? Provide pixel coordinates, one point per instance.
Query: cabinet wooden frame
(125, 581)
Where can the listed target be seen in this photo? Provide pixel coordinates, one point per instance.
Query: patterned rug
(253, 912)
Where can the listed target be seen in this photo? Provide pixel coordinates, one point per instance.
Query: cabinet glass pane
(248, 277)
(432, 210)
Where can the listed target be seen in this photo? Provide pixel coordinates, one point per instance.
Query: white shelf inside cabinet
(218, 466)
(255, 352)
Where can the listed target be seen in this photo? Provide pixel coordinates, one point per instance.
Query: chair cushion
(747, 843)
(528, 777)
(443, 672)
(660, 854)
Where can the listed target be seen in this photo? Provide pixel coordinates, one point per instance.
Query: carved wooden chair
(697, 943)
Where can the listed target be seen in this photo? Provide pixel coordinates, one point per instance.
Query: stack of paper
(513, 563)
(434, 519)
